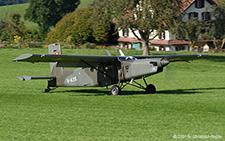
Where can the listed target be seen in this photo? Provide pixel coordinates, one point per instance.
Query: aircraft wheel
(115, 90)
(47, 90)
(150, 89)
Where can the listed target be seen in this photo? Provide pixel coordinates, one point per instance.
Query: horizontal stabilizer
(26, 78)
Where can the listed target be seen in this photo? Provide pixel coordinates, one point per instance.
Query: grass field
(21, 9)
(189, 102)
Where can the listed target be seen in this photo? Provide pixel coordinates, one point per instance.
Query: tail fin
(55, 49)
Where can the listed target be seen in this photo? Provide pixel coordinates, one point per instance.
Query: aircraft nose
(164, 62)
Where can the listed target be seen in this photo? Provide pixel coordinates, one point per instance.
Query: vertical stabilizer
(55, 49)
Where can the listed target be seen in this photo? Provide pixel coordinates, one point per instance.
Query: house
(167, 42)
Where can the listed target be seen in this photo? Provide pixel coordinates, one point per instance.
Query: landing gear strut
(149, 89)
(51, 83)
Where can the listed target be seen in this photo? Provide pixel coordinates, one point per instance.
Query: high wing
(66, 60)
(94, 60)
(175, 58)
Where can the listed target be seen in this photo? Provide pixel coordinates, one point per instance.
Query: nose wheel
(150, 89)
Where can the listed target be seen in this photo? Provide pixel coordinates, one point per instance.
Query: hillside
(21, 9)
(17, 8)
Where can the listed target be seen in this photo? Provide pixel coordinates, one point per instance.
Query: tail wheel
(150, 89)
(115, 90)
(47, 90)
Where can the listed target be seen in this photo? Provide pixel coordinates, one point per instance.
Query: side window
(206, 16)
(192, 15)
(126, 32)
(163, 35)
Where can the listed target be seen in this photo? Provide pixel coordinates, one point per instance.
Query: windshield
(127, 58)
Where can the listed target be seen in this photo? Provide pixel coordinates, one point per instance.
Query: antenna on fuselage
(121, 53)
(108, 53)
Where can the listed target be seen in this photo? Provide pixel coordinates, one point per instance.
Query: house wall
(172, 48)
(168, 35)
(192, 8)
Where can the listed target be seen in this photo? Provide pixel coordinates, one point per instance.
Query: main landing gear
(149, 89)
(51, 83)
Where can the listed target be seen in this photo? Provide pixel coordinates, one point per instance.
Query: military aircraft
(101, 71)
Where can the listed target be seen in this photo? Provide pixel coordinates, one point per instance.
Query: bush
(81, 27)
(76, 25)
(31, 35)
(12, 28)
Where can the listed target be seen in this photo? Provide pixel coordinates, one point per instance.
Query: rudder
(55, 49)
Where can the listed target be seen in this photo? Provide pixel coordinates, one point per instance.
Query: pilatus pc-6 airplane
(103, 71)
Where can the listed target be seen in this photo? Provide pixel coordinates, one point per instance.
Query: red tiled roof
(126, 39)
(153, 42)
(169, 42)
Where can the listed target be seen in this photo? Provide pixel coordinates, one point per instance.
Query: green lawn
(190, 102)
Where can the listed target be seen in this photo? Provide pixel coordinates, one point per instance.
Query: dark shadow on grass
(189, 91)
(216, 58)
(97, 92)
(85, 92)
(104, 92)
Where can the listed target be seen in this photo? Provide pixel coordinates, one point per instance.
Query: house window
(192, 15)
(206, 16)
(199, 3)
(163, 35)
(179, 48)
(126, 32)
(161, 48)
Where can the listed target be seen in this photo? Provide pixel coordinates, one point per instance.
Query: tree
(47, 13)
(76, 25)
(103, 28)
(217, 27)
(190, 30)
(80, 28)
(144, 17)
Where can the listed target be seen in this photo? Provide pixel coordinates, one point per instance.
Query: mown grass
(190, 101)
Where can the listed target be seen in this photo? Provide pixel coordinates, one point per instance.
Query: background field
(190, 101)
(21, 9)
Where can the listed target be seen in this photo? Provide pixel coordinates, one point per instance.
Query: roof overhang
(153, 42)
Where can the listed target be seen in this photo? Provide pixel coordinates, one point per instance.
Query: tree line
(94, 23)
(11, 2)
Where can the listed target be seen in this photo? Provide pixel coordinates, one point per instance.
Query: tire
(47, 90)
(115, 90)
(150, 89)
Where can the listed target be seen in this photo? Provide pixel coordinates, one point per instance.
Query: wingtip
(22, 57)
